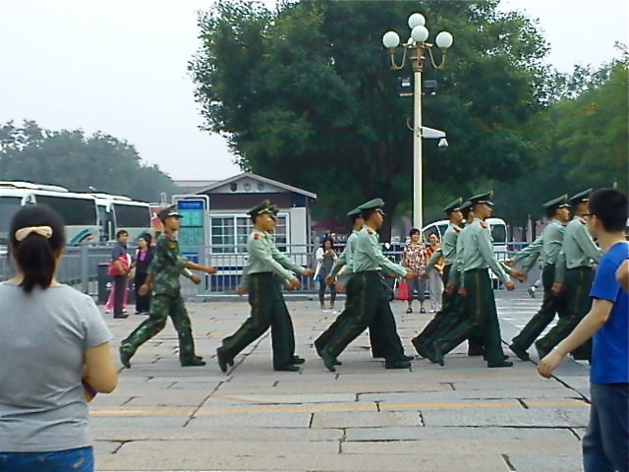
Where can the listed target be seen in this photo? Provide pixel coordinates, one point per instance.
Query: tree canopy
(305, 95)
(78, 162)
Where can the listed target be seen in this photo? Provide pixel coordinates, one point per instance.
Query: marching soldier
(478, 256)
(266, 271)
(548, 246)
(448, 250)
(164, 271)
(368, 302)
(343, 261)
(574, 277)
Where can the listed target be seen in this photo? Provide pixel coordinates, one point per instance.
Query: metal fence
(85, 268)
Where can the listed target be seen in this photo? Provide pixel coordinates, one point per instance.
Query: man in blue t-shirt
(606, 443)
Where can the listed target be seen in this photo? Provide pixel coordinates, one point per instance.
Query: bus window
(74, 211)
(499, 234)
(132, 216)
(9, 206)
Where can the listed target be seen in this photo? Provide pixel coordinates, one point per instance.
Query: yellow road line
(312, 408)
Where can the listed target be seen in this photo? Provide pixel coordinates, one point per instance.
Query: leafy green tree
(305, 95)
(78, 162)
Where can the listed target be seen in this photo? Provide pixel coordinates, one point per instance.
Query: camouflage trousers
(163, 306)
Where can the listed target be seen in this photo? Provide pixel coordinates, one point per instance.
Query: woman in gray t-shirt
(54, 353)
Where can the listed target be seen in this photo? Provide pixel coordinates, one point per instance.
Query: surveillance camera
(443, 143)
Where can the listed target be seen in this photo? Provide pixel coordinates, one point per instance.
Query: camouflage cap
(169, 212)
(354, 212)
(482, 198)
(263, 207)
(557, 202)
(372, 204)
(465, 205)
(581, 197)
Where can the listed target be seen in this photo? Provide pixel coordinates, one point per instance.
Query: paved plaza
(461, 417)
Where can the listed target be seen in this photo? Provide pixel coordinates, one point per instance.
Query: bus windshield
(132, 216)
(499, 234)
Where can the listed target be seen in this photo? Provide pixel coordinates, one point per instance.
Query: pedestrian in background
(606, 442)
(141, 262)
(326, 257)
(435, 282)
(414, 258)
(53, 341)
(120, 262)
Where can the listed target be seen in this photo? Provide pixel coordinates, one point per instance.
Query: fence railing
(84, 267)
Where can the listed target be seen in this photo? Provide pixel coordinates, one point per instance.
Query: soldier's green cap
(465, 205)
(454, 205)
(482, 198)
(354, 212)
(263, 207)
(580, 197)
(372, 204)
(170, 212)
(557, 202)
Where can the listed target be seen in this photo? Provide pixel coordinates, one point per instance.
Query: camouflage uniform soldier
(574, 275)
(548, 246)
(164, 271)
(266, 271)
(368, 302)
(478, 256)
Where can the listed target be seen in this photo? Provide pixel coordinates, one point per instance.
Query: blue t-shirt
(610, 356)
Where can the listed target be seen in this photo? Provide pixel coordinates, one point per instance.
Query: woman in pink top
(415, 259)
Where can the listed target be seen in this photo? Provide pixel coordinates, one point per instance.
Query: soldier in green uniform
(344, 261)
(163, 276)
(448, 250)
(478, 257)
(574, 275)
(267, 270)
(368, 302)
(547, 246)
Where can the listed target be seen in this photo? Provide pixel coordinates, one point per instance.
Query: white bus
(116, 212)
(497, 227)
(78, 210)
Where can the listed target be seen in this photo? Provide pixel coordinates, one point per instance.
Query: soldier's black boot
(192, 361)
(126, 353)
(518, 351)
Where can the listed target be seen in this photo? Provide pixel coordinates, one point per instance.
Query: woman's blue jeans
(606, 442)
(70, 460)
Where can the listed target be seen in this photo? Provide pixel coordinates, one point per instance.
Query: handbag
(125, 262)
(402, 292)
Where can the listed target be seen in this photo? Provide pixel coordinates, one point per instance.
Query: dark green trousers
(375, 335)
(268, 310)
(441, 317)
(576, 290)
(367, 306)
(163, 306)
(482, 319)
(551, 304)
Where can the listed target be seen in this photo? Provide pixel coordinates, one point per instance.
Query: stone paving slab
(534, 462)
(365, 419)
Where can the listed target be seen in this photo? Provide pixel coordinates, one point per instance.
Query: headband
(23, 233)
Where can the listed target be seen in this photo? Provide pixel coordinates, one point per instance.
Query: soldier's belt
(262, 274)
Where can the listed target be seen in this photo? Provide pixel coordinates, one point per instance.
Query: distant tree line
(78, 162)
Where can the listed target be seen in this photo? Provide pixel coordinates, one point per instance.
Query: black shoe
(297, 360)
(125, 356)
(437, 356)
(541, 350)
(421, 348)
(223, 361)
(195, 361)
(121, 316)
(328, 361)
(335, 360)
(519, 352)
(492, 365)
(286, 368)
(407, 358)
(377, 355)
(397, 364)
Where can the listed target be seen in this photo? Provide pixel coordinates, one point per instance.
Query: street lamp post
(417, 45)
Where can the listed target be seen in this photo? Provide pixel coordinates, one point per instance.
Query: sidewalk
(461, 417)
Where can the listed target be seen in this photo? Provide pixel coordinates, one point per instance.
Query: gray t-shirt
(43, 339)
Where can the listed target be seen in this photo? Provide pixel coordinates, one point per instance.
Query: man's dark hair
(610, 206)
(121, 232)
(367, 213)
(35, 255)
(551, 211)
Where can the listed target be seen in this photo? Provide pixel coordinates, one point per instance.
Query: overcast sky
(120, 67)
